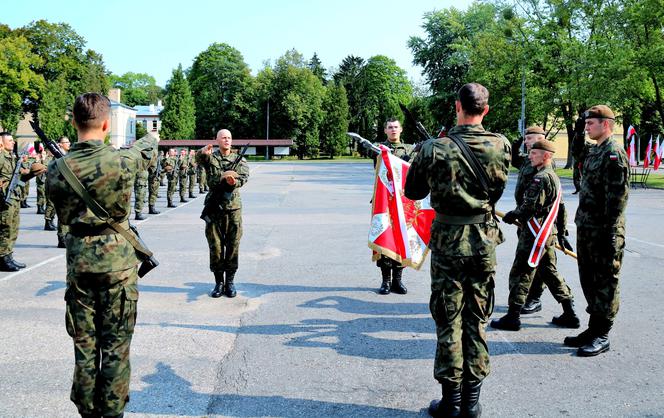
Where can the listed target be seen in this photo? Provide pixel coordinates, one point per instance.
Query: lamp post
(267, 131)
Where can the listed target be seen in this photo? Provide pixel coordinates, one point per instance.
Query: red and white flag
(542, 232)
(658, 153)
(400, 227)
(646, 159)
(631, 148)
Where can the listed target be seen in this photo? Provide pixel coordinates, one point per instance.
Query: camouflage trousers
(223, 236)
(153, 189)
(202, 181)
(41, 191)
(600, 261)
(49, 210)
(192, 182)
(25, 191)
(9, 221)
(172, 185)
(462, 298)
(140, 191)
(521, 278)
(100, 317)
(184, 184)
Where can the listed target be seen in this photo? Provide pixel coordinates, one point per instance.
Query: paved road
(308, 335)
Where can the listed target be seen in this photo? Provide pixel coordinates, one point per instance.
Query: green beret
(544, 144)
(535, 130)
(599, 112)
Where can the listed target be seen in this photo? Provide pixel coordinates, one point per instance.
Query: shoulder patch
(536, 180)
(613, 156)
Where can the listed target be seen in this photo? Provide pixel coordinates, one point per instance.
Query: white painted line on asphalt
(25, 270)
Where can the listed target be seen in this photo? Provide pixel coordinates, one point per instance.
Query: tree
(137, 88)
(381, 86)
(295, 95)
(18, 82)
(53, 109)
(224, 92)
(316, 67)
(333, 138)
(347, 76)
(178, 117)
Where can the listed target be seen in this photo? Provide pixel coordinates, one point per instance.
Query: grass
(655, 180)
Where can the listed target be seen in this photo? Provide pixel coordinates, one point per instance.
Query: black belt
(463, 220)
(85, 230)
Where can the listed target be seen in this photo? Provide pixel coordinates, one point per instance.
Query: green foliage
(52, 108)
(178, 117)
(141, 131)
(333, 138)
(348, 76)
(381, 86)
(18, 82)
(316, 67)
(296, 97)
(224, 92)
(138, 89)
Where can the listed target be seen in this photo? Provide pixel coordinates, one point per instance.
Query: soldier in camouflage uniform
(153, 185)
(140, 192)
(9, 214)
(391, 270)
(536, 202)
(40, 182)
(49, 212)
(191, 172)
(102, 293)
(600, 223)
(202, 180)
(25, 189)
(169, 165)
(464, 236)
(183, 176)
(162, 157)
(224, 232)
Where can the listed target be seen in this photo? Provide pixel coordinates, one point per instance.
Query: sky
(154, 37)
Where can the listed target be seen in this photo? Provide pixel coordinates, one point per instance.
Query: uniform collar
(467, 128)
(91, 143)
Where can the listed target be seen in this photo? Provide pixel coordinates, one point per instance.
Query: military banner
(400, 227)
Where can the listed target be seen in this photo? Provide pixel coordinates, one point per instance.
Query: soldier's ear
(485, 111)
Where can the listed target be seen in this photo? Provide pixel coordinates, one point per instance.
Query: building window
(154, 125)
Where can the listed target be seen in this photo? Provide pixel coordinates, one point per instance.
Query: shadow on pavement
(362, 307)
(171, 395)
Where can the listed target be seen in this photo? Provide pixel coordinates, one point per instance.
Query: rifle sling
(473, 162)
(97, 209)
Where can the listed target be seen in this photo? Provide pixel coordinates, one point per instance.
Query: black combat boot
(387, 281)
(531, 306)
(600, 338)
(201, 191)
(24, 204)
(229, 287)
(90, 415)
(584, 337)
(450, 404)
(192, 195)
(7, 265)
(16, 263)
(568, 318)
(114, 416)
(140, 217)
(48, 225)
(397, 286)
(219, 284)
(152, 210)
(509, 322)
(61, 242)
(183, 200)
(40, 210)
(171, 204)
(470, 404)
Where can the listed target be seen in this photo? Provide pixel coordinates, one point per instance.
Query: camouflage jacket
(191, 165)
(604, 188)
(439, 169)
(399, 149)
(539, 196)
(108, 176)
(214, 165)
(7, 165)
(169, 162)
(523, 183)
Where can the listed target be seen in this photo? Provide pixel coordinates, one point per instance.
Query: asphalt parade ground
(308, 335)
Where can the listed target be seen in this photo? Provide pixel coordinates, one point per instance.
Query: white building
(123, 121)
(148, 116)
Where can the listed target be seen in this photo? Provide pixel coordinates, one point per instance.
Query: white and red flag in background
(658, 153)
(646, 158)
(400, 228)
(631, 147)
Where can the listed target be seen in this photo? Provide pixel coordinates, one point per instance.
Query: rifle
(16, 178)
(420, 128)
(222, 191)
(364, 143)
(52, 146)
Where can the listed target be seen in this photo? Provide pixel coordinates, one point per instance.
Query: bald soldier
(224, 230)
(600, 229)
(539, 206)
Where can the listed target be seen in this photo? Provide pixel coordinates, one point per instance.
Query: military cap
(599, 112)
(534, 130)
(544, 144)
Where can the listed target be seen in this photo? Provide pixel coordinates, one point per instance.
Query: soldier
(25, 190)
(391, 270)
(600, 223)
(183, 177)
(541, 201)
(169, 167)
(191, 172)
(224, 232)
(49, 212)
(153, 185)
(39, 182)
(140, 190)
(9, 213)
(202, 180)
(463, 240)
(102, 293)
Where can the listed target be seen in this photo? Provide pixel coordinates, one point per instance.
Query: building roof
(151, 110)
(168, 143)
(117, 104)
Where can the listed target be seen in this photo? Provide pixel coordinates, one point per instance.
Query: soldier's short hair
(90, 110)
(4, 134)
(473, 97)
(389, 120)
